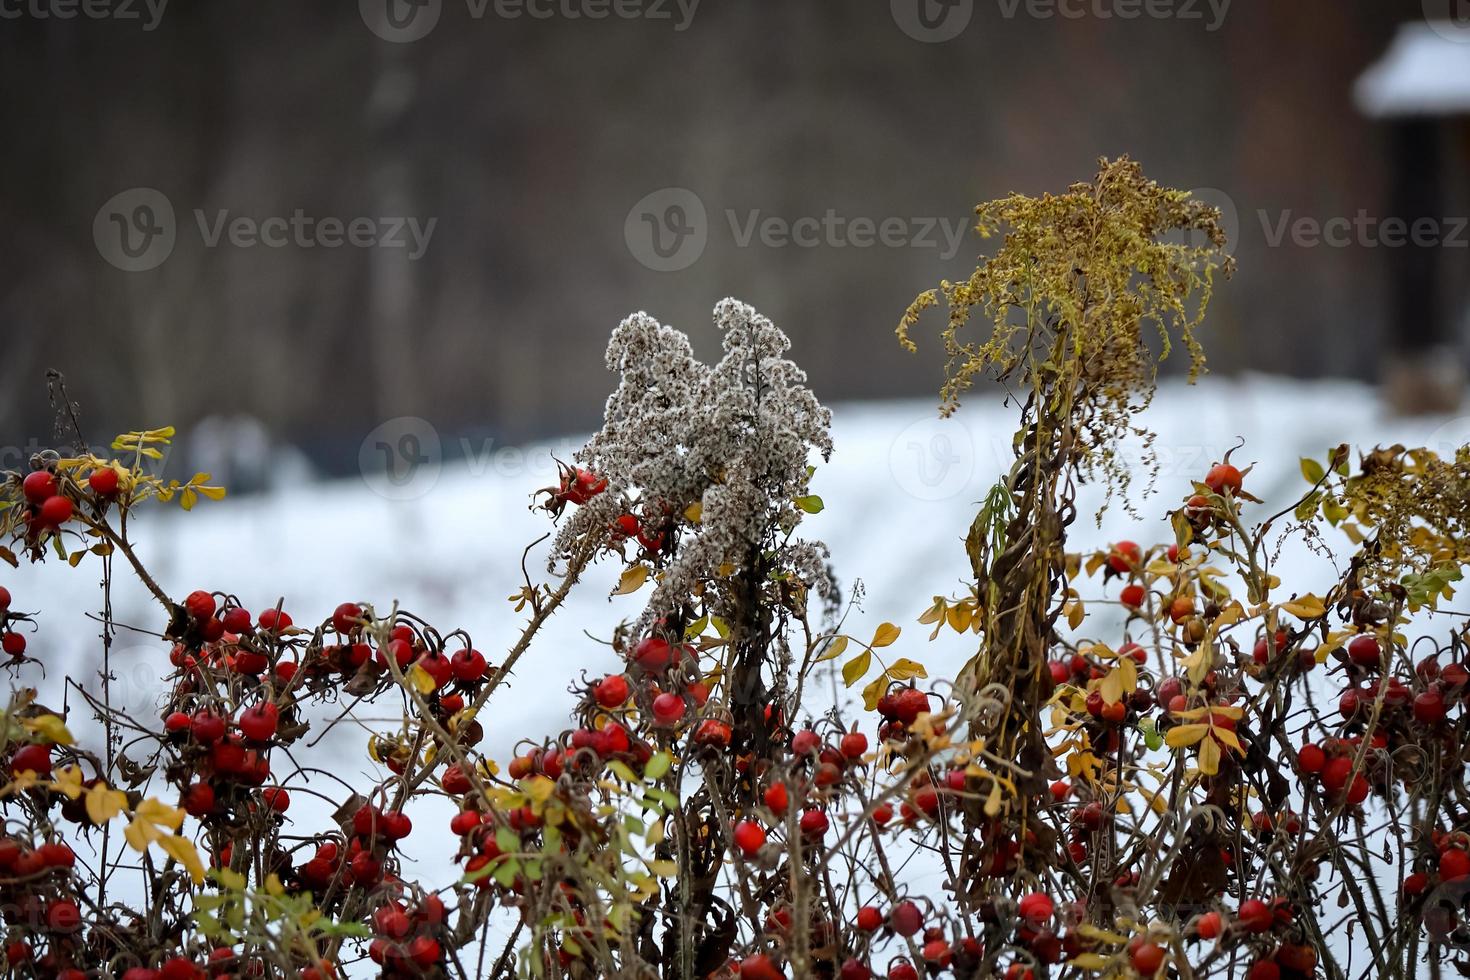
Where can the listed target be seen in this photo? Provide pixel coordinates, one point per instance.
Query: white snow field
(900, 492)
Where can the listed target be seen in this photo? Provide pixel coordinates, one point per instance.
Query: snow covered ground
(900, 492)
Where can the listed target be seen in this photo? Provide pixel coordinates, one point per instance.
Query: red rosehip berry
(31, 758)
(750, 837)
(39, 486)
(1147, 958)
(56, 511)
(13, 643)
(869, 918)
(1124, 556)
(777, 798)
(1209, 925)
(854, 745)
(905, 918)
(612, 691)
(814, 824)
(1365, 651)
(668, 708)
(276, 798)
(200, 605)
(1255, 915)
(274, 619)
(258, 722)
(1132, 596)
(1037, 908)
(1223, 477)
(236, 620)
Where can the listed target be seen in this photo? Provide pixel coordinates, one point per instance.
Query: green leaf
(1312, 470)
(811, 504)
(658, 765)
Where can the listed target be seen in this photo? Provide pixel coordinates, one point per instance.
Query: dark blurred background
(529, 141)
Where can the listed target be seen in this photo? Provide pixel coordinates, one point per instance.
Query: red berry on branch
(236, 620)
(1454, 865)
(1209, 925)
(207, 727)
(55, 512)
(1132, 596)
(653, 654)
(1036, 908)
(777, 798)
(104, 482)
(1255, 915)
(854, 745)
(258, 722)
(39, 486)
(1223, 477)
(1365, 651)
(750, 837)
(31, 758)
(200, 605)
(869, 918)
(63, 916)
(13, 643)
(668, 708)
(760, 967)
(905, 918)
(1147, 958)
(4, 599)
(274, 619)
(612, 691)
(276, 798)
(1124, 556)
(345, 617)
(814, 824)
(468, 665)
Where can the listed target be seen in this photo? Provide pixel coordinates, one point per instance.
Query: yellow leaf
(181, 849)
(150, 820)
(103, 804)
(1185, 735)
(854, 669)
(68, 781)
(934, 613)
(885, 635)
(664, 869)
(1209, 756)
(51, 728)
(419, 679)
(694, 513)
(1091, 961)
(1112, 686)
(1305, 607)
(1075, 613)
(834, 650)
(959, 618)
(538, 788)
(632, 580)
(904, 669)
(874, 691)
(1228, 737)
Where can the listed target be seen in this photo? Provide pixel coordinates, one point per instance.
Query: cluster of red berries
(11, 641)
(407, 939)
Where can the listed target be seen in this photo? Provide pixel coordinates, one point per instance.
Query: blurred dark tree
(530, 139)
